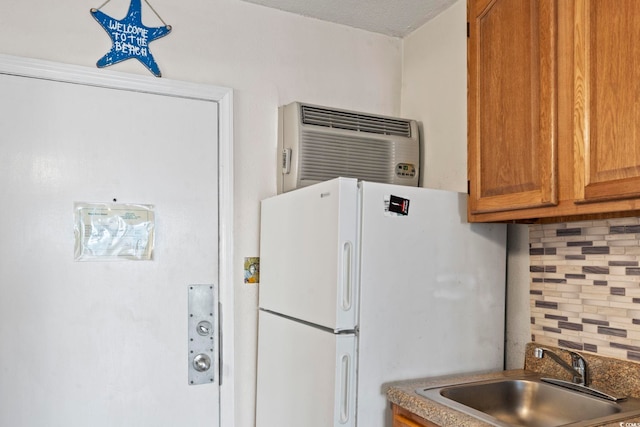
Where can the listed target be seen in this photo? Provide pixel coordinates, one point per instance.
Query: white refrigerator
(363, 284)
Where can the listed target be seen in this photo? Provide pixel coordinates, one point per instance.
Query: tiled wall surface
(585, 286)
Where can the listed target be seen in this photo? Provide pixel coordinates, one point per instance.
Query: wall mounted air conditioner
(319, 143)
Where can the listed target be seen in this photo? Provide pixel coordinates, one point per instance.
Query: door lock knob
(201, 362)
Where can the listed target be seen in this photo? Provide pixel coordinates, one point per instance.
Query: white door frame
(46, 70)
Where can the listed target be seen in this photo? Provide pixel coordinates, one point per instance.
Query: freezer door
(306, 376)
(308, 254)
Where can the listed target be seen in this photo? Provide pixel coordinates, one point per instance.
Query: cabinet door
(607, 99)
(512, 106)
(404, 418)
(400, 421)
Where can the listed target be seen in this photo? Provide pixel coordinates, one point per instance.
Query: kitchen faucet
(578, 367)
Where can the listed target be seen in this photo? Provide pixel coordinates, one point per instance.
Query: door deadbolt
(204, 328)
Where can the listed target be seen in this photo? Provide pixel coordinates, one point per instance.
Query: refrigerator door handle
(347, 286)
(345, 376)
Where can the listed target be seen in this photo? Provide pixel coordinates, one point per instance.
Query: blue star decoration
(130, 38)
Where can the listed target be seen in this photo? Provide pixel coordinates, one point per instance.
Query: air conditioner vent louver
(312, 115)
(324, 157)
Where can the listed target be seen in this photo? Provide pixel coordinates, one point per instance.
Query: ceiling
(395, 18)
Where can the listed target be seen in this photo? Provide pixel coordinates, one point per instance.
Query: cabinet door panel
(404, 418)
(607, 91)
(512, 104)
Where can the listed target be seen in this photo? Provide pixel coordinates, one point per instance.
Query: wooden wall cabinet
(512, 104)
(553, 109)
(607, 94)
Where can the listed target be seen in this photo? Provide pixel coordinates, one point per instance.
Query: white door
(102, 343)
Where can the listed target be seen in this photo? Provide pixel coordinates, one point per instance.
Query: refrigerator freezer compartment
(308, 254)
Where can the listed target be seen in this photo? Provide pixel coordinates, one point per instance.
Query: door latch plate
(203, 334)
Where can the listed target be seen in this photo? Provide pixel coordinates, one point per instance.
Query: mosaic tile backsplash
(585, 286)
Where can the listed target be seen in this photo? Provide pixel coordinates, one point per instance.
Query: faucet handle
(580, 365)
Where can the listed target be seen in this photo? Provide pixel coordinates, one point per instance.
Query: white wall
(434, 91)
(518, 298)
(268, 57)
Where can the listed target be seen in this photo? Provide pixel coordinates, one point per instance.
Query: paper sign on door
(113, 231)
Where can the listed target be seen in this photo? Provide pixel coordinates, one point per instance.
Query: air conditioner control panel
(405, 170)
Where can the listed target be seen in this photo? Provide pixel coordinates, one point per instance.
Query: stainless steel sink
(529, 402)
